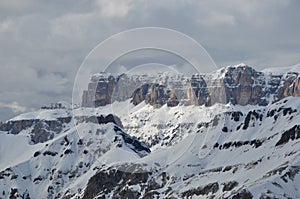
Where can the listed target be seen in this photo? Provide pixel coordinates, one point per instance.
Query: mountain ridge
(239, 84)
(126, 150)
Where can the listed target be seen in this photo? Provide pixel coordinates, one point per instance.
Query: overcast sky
(43, 43)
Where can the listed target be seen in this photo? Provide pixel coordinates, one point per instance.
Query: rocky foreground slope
(216, 151)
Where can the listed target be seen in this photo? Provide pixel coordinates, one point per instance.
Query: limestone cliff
(239, 84)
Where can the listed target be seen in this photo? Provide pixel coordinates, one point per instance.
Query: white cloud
(14, 106)
(70, 25)
(215, 19)
(6, 25)
(114, 8)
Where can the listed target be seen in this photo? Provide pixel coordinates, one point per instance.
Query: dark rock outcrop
(291, 134)
(243, 194)
(228, 186)
(105, 182)
(42, 130)
(203, 190)
(133, 143)
(14, 127)
(110, 118)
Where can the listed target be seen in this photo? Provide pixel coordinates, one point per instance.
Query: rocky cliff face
(239, 84)
(156, 90)
(44, 129)
(290, 86)
(154, 94)
(40, 130)
(243, 85)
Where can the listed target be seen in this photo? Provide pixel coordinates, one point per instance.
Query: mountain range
(232, 133)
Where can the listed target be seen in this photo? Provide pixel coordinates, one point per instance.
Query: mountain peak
(237, 65)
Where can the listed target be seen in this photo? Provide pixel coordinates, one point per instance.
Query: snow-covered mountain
(125, 149)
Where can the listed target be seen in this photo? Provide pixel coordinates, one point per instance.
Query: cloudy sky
(43, 43)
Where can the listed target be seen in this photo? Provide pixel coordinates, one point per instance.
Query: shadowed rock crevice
(201, 191)
(291, 134)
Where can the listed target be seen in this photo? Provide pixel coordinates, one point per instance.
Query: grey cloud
(42, 43)
(5, 113)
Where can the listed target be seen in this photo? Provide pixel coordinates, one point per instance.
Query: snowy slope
(250, 158)
(67, 160)
(247, 157)
(220, 151)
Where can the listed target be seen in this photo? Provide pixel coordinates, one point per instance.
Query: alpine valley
(233, 133)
